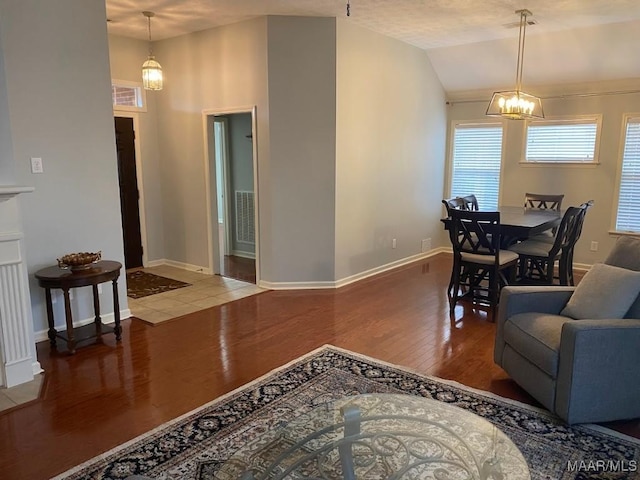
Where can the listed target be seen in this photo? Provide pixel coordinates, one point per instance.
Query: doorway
(231, 193)
(130, 195)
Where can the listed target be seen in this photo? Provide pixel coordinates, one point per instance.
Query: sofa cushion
(536, 336)
(604, 292)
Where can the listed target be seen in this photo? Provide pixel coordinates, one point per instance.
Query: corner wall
(391, 127)
(301, 174)
(58, 91)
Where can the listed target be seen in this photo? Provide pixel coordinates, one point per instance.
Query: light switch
(36, 165)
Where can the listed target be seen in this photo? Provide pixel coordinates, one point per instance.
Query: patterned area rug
(142, 284)
(197, 445)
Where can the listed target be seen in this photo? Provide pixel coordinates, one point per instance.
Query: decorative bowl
(79, 261)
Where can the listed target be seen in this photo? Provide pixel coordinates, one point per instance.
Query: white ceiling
(440, 27)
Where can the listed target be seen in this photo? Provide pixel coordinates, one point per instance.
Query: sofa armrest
(598, 374)
(514, 300)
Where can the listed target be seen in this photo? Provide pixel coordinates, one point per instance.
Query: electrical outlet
(594, 246)
(393, 243)
(426, 245)
(36, 165)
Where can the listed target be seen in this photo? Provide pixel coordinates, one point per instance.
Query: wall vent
(245, 217)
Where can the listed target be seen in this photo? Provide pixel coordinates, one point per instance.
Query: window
(563, 141)
(127, 95)
(628, 215)
(476, 160)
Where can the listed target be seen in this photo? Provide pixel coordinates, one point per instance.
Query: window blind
(568, 141)
(628, 217)
(477, 155)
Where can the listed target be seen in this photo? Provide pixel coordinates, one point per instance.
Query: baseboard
(42, 335)
(241, 254)
(353, 278)
(182, 265)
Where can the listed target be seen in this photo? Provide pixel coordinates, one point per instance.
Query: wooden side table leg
(52, 330)
(116, 311)
(96, 310)
(71, 342)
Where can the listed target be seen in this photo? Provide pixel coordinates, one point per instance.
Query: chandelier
(151, 69)
(516, 104)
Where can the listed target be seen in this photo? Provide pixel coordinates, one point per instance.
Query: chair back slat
(475, 232)
(567, 230)
(539, 201)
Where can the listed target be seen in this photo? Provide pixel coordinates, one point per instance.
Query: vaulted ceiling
(472, 44)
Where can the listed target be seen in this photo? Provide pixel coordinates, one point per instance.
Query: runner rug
(197, 445)
(142, 284)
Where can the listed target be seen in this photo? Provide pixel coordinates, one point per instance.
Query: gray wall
(578, 183)
(126, 57)
(216, 69)
(58, 90)
(301, 172)
(6, 145)
(391, 125)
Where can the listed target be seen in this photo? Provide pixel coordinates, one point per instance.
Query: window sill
(560, 164)
(617, 233)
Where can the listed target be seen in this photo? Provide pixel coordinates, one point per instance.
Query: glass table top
(380, 436)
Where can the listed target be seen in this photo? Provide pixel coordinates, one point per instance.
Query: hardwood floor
(239, 268)
(109, 393)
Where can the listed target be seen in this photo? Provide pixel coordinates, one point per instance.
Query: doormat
(142, 284)
(203, 443)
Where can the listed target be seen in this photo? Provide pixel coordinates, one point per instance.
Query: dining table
(519, 223)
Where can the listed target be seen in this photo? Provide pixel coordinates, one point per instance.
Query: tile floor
(205, 291)
(26, 392)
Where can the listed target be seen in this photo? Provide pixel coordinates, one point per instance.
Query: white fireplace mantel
(17, 347)
(10, 191)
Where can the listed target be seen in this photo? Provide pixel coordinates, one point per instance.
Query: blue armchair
(585, 370)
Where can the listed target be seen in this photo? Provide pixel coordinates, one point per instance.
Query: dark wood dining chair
(537, 259)
(479, 265)
(470, 202)
(568, 251)
(540, 201)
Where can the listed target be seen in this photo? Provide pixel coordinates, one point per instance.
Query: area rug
(142, 284)
(196, 445)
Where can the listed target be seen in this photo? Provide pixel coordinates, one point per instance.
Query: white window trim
(616, 196)
(450, 143)
(128, 108)
(558, 120)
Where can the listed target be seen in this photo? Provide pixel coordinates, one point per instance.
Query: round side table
(66, 279)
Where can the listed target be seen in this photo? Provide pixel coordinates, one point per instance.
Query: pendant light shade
(516, 104)
(151, 70)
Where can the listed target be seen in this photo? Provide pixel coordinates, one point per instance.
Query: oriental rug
(142, 284)
(196, 445)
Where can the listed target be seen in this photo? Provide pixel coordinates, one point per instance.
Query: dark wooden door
(129, 195)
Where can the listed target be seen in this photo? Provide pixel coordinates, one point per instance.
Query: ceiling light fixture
(151, 70)
(517, 105)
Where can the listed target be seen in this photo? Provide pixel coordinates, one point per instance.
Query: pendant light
(517, 105)
(151, 70)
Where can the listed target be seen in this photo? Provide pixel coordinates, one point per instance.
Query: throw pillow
(604, 292)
